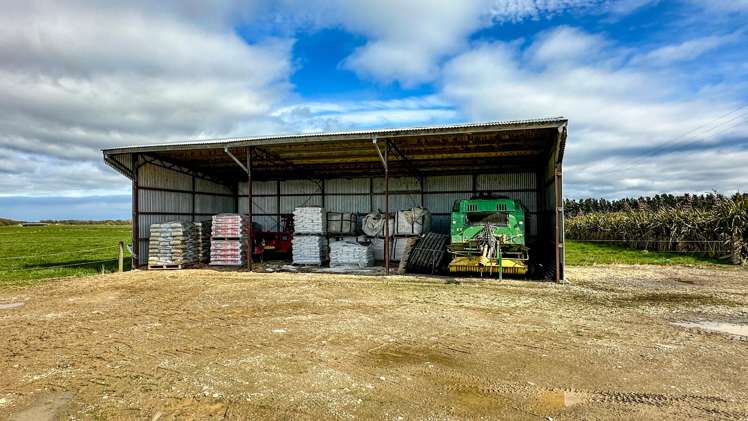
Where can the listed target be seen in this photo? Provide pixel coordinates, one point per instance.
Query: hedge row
(720, 231)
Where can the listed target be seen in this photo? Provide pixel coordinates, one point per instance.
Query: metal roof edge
(553, 122)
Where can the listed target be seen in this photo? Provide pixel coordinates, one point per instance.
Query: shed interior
(345, 172)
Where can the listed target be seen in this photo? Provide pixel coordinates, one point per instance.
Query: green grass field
(33, 253)
(587, 253)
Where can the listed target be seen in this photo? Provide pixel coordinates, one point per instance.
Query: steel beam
(250, 234)
(135, 213)
(385, 163)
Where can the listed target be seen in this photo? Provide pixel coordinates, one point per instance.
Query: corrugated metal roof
(355, 134)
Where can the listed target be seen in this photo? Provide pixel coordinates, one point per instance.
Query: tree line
(575, 207)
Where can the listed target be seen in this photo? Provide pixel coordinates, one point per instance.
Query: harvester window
(496, 218)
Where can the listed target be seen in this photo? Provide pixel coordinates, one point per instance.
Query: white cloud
(408, 40)
(79, 77)
(618, 112)
(684, 51)
(722, 6)
(326, 116)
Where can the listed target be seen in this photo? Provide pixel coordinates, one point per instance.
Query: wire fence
(50, 264)
(709, 248)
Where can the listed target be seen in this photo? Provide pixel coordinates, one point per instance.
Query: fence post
(735, 250)
(121, 257)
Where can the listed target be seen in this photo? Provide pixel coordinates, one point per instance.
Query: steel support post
(386, 208)
(135, 212)
(250, 240)
(384, 158)
(557, 196)
(193, 197)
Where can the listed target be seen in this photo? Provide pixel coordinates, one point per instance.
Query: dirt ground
(203, 344)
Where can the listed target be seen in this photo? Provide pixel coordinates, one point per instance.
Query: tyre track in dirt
(206, 344)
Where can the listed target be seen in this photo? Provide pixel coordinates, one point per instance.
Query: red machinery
(275, 242)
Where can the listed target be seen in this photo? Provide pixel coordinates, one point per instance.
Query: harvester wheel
(428, 254)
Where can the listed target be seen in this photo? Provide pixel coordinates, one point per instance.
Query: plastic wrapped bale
(415, 221)
(171, 243)
(309, 220)
(373, 224)
(309, 249)
(341, 223)
(397, 248)
(227, 253)
(347, 254)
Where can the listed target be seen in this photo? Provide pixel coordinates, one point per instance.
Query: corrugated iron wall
(551, 242)
(363, 195)
(166, 195)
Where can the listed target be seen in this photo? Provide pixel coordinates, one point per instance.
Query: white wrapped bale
(346, 254)
(309, 220)
(341, 223)
(309, 249)
(397, 248)
(171, 243)
(373, 225)
(415, 221)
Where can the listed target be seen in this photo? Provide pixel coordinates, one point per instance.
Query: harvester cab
(488, 237)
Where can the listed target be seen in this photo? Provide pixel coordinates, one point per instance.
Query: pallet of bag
(229, 233)
(171, 244)
(202, 240)
(309, 220)
(349, 252)
(309, 240)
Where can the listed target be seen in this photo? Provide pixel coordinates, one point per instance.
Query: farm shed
(355, 171)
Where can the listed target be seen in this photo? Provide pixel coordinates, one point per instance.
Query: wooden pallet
(166, 267)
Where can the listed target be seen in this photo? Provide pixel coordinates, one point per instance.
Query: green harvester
(488, 237)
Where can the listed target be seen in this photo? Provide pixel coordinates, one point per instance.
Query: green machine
(488, 237)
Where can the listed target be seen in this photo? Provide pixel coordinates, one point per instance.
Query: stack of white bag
(309, 242)
(414, 221)
(171, 243)
(346, 253)
(228, 234)
(309, 249)
(309, 220)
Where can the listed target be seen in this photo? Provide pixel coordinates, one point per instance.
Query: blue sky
(656, 91)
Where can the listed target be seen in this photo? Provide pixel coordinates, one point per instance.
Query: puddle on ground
(46, 407)
(558, 399)
(719, 327)
(9, 306)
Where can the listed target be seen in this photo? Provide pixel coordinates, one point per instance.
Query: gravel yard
(615, 342)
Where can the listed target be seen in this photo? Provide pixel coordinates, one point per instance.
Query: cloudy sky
(656, 91)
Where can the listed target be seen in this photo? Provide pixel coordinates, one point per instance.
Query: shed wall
(165, 195)
(363, 195)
